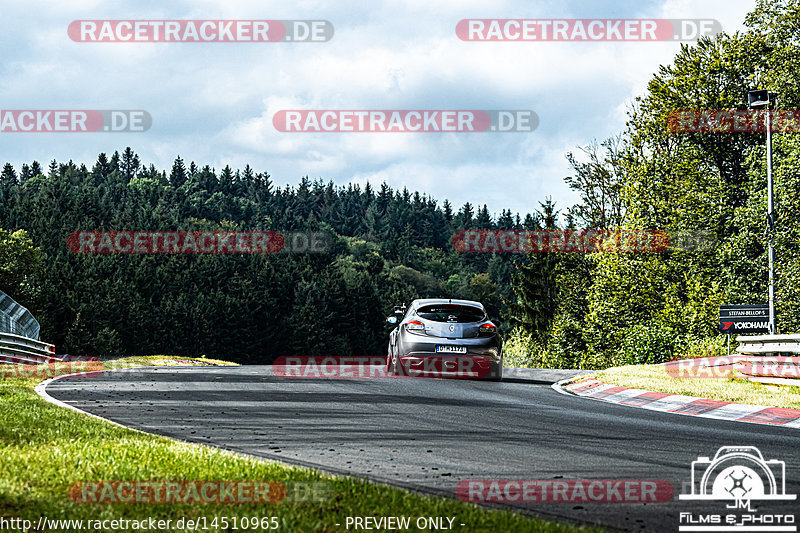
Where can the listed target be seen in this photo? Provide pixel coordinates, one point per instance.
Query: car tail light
(487, 329)
(415, 325)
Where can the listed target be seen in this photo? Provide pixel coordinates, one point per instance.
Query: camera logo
(738, 473)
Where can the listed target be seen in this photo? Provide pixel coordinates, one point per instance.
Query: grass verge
(45, 449)
(655, 378)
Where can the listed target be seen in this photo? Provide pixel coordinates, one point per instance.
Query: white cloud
(213, 103)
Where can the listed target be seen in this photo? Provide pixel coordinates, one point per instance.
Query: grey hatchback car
(442, 337)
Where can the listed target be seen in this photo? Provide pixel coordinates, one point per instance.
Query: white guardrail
(769, 359)
(16, 349)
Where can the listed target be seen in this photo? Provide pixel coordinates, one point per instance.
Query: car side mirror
(391, 320)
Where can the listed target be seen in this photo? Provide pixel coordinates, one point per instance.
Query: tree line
(386, 247)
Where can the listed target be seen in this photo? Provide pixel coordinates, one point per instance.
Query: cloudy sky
(213, 103)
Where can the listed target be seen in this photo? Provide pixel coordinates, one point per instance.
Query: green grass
(655, 378)
(149, 360)
(44, 449)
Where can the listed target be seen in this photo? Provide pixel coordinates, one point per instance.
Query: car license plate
(451, 349)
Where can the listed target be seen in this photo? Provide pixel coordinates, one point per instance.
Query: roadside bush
(647, 344)
(517, 350)
(526, 351)
(706, 347)
(592, 360)
(566, 343)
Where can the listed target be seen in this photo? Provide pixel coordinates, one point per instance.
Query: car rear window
(451, 313)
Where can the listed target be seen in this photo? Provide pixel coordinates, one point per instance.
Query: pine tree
(535, 289)
(100, 171)
(178, 175)
(248, 176)
(36, 168)
(448, 210)
(484, 219)
(130, 164)
(113, 162)
(464, 217)
(8, 178)
(506, 221)
(25, 173)
(384, 198)
(226, 180)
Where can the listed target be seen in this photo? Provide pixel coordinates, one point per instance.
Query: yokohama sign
(738, 319)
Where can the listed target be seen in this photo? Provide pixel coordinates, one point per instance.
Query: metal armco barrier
(769, 359)
(16, 319)
(19, 332)
(16, 349)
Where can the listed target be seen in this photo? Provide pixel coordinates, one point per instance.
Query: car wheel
(397, 368)
(389, 364)
(497, 375)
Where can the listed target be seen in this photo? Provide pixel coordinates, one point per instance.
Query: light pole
(757, 100)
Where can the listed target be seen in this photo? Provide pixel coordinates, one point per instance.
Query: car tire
(496, 376)
(397, 368)
(389, 370)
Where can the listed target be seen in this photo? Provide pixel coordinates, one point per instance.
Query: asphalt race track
(429, 434)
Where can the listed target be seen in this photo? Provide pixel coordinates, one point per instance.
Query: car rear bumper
(449, 365)
(417, 356)
(423, 345)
